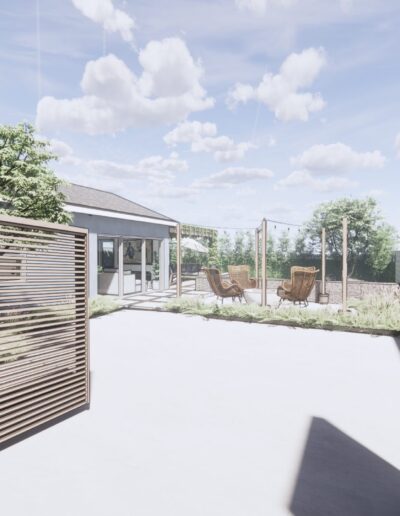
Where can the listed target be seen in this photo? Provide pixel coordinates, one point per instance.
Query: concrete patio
(153, 300)
(215, 418)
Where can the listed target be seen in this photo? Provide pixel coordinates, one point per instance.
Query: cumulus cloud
(187, 132)
(59, 148)
(232, 176)
(203, 138)
(304, 178)
(114, 98)
(280, 92)
(397, 144)
(337, 158)
(260, 6)
(156, 169)
(105, 14)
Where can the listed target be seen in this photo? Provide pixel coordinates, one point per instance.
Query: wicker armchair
(241, 275)
(300, 285)
(222, 289)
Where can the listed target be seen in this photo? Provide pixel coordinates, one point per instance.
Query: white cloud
(203, 138)
(304, 178)
(232, 176)
(260, 6)
(280, 92)
(397, 144)
(60, 148)
(114, 98)
(375, 192)
(111, 19)
(156, 169)
(187, 132)
(173, 191)
(337, 158)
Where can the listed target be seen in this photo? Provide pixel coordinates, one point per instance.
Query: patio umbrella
(193, 245)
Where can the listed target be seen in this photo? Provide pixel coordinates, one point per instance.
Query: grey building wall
(119, 227)
(92, 261)
(107, 226)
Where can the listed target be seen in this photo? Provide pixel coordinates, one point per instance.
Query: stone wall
(355, 290)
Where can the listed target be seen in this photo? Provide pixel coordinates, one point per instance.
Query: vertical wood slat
(44, 328)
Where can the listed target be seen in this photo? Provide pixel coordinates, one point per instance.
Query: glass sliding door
(132, 265)
(154, 264)
(107, 274)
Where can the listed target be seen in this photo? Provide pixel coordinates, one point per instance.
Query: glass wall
(133, 273)
(107, 276)
(137, 276)
(154, 283)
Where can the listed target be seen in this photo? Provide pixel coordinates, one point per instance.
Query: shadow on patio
(397, 341)
(340, 477)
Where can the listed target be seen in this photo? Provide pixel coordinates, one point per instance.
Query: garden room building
(128, 243)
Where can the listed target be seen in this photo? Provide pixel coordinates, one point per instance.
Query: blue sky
(213, 112)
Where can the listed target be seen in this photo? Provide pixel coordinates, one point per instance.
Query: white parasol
(193, 245)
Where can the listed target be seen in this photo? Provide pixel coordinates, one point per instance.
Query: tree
(238, 248)
(283, 254)
(213, 254)
(28, 187)
(370, 240)
(272, 261)
(225, 250)
(249, 251)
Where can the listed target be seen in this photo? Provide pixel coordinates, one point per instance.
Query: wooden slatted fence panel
(44, 353)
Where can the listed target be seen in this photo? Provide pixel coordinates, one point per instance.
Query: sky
(213, 112)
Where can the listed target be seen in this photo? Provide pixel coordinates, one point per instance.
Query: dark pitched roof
(100, 199)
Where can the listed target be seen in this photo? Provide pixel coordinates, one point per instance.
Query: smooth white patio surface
(153, 299)
(203, 418)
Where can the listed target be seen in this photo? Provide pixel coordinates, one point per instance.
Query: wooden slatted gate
(44, 356)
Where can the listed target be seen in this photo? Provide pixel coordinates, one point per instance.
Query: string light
(275, 222)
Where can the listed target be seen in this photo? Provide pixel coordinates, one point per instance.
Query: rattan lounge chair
(300, 285)
(241, 275)
(222, 288)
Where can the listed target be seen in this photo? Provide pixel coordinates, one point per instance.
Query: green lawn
(102, 305)
(379, 315)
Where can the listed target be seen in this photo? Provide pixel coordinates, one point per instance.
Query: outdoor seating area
(299, 287)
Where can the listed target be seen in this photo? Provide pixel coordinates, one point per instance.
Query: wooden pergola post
(120, 267)
(264, 263)
(144, 262)
(344, 266)
(323, 261)
(178, 261)
(256, 259)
